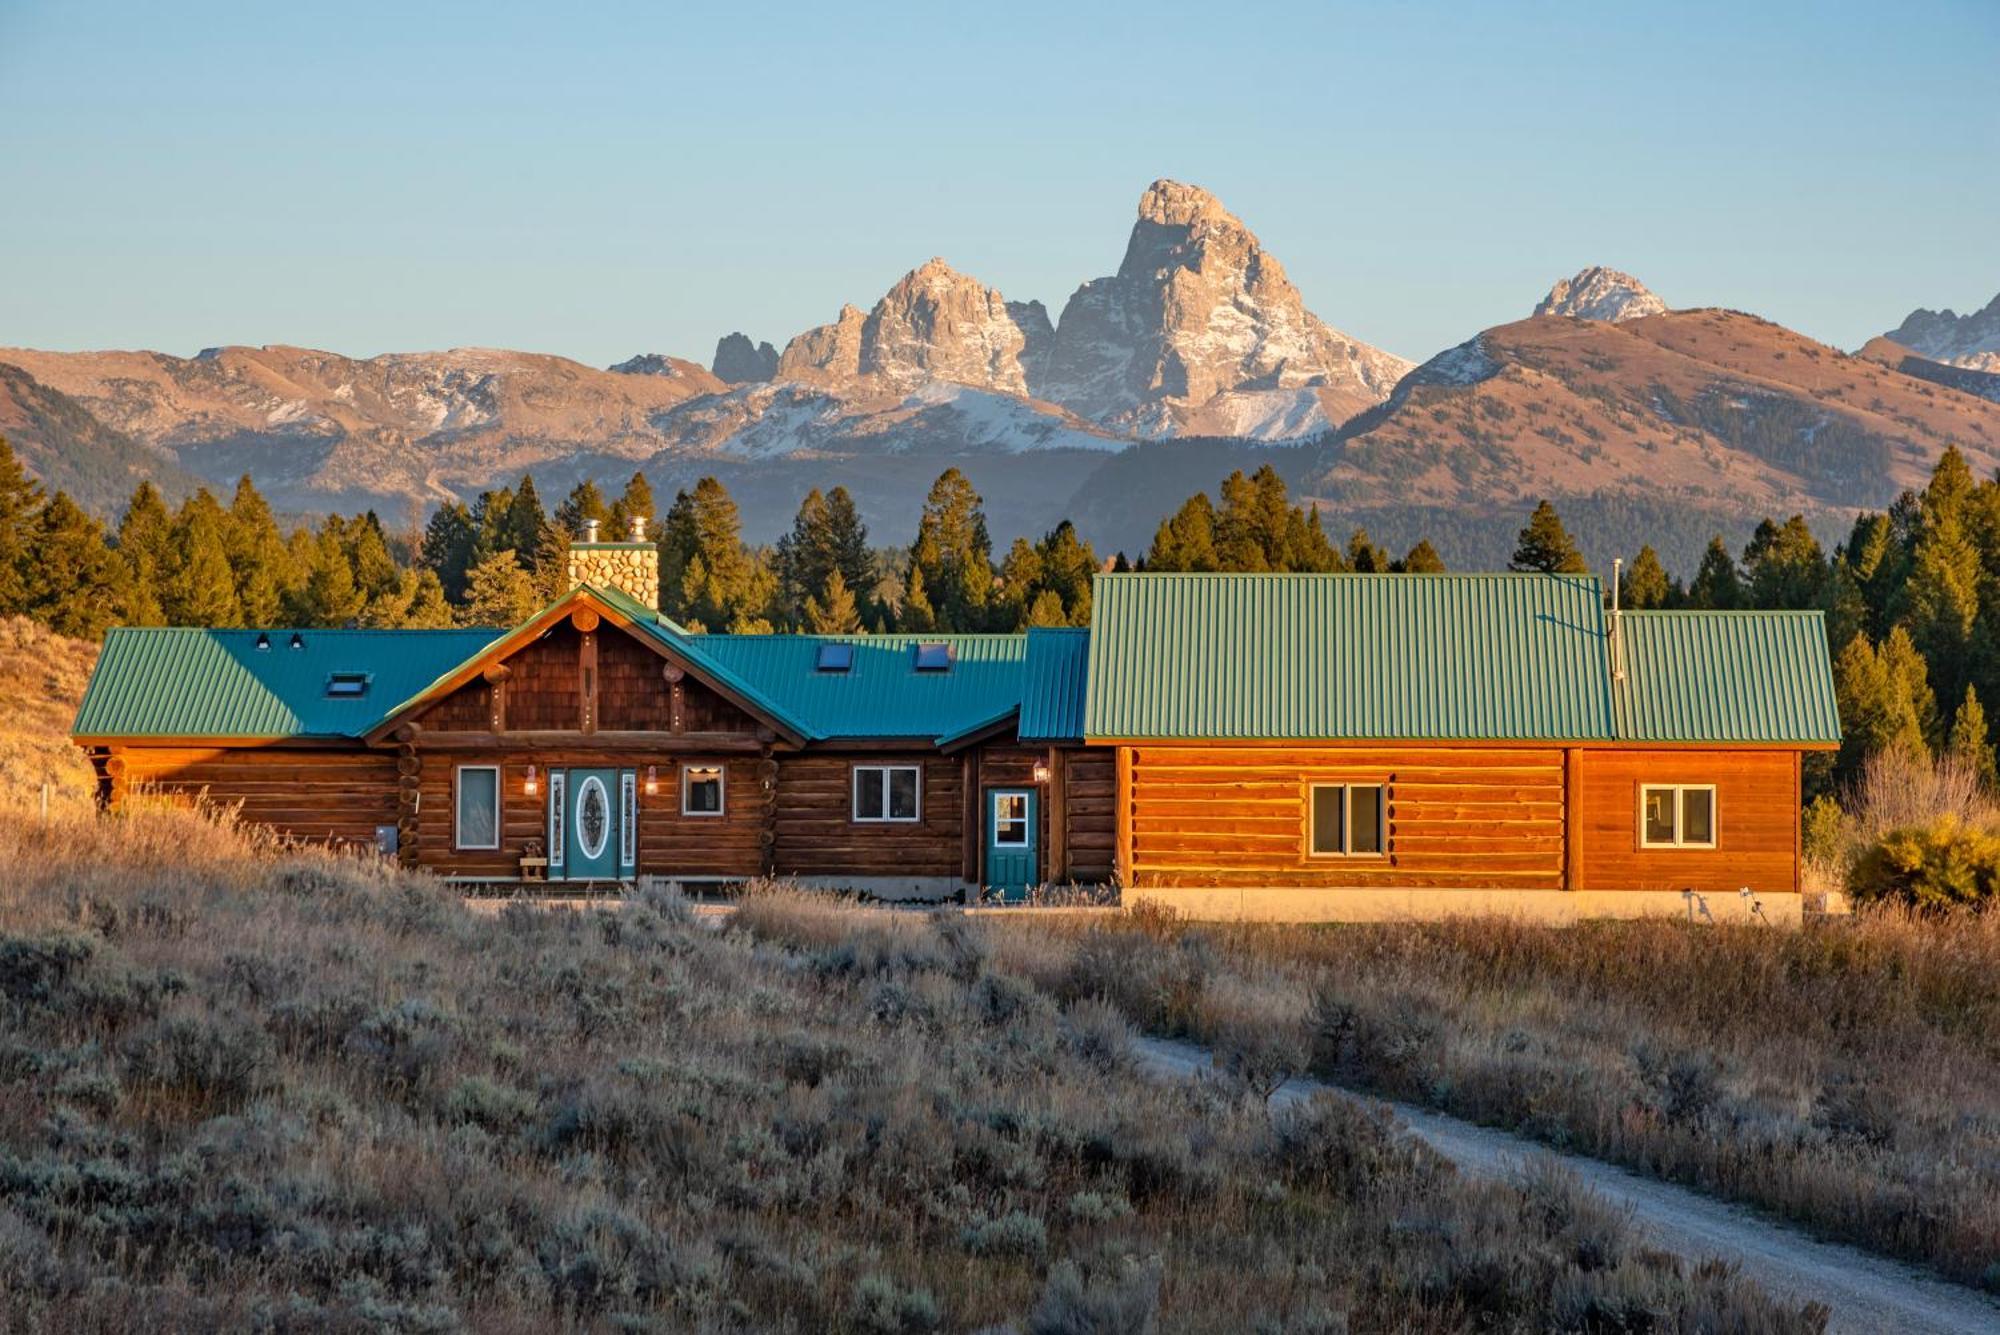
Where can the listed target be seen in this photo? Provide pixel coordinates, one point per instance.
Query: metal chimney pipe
(590, 530)
(1617, 659)
(638, 528)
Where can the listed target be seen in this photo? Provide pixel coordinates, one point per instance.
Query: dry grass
(42, 676)
(1845, 1076)
(258, 1089)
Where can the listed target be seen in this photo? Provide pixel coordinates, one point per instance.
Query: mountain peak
(1598, 293)
(739, 361)
(1176, 204)
(1971, 341)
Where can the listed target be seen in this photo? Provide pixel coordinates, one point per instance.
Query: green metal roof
(1406, 657)
(1052, 685)
(1734, 676)
(177, 682)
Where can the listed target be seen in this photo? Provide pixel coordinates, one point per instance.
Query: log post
(409, 791)
(968, 769)
(587, 678)
(1123, 871)
(1058, 817)
(676, 697)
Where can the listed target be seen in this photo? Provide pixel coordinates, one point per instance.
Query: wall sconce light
(652, 780)
(1041, 772)
(533, 785)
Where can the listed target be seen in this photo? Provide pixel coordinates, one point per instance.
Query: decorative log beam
(1057, 870)
(587, 670)
(971, 832)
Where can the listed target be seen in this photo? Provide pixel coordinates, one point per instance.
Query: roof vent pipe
(638, 528)
(1617, 659)
(590, 530)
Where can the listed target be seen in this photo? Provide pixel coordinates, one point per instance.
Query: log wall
(1220, 815)
(817, 835)
(1756, 820)
(670, 844)
(318, 794)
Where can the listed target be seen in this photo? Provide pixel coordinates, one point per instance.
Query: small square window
(346, 684)
(834, 658)
(1677, 816)
(1348, 820)
(701, 790)
(933, 657)
(1010, 819)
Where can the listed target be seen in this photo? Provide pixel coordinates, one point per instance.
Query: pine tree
(707, 575)
(1970, 743)
(142, 545)
(1046, 610)
(76, 584)
(447, 548)
(522, 528)
(428, 608)
(1783, 567)
(20, 499)
(954, 555)
(583, 504)
(1644, 584)
(1912, 697)
(1716, 586)
(499, 593)
(1364, 557)
(635, 502)
(331, 596)
(1545, 545)
(490, 518)
(257, 555)
(834, 611)
(375, 571)
(1424, 559)
(199, 588)
(916, 615)
(1187, 540)
(827, 535)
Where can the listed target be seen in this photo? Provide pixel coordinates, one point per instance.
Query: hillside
(68, 449)
(42, 676)
(1715, 410)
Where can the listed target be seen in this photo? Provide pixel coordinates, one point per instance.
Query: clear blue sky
(373, 177)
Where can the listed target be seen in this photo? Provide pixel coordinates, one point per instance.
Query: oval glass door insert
(593, 817)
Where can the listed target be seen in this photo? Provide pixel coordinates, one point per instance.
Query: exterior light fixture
(298, 640)
(652, 780)
(1041, 771)
(263, 641)
(533, 785)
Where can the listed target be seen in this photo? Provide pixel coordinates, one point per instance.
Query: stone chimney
(631, 566)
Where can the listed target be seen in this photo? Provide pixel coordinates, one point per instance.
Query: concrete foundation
(1555, 907)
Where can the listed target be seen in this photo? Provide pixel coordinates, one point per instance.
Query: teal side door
(1012, 863)
(590, 825)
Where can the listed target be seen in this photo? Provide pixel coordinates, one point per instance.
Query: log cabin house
(1339, 746)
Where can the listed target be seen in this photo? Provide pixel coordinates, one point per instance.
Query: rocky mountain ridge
(1598, 293)
(1971, 341)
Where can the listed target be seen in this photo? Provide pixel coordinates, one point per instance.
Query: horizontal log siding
(817, 834)
(1219, 815)
(1756, 814)
(670, 844)
(1090, 800)
(314, 794)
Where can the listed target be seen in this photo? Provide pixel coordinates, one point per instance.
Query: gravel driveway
(1866, 1292)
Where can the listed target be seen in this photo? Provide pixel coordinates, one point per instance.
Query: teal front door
(590, 825)
(1011, 863)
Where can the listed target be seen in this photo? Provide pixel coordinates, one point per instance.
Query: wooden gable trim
(587, 611)
(1003, 726)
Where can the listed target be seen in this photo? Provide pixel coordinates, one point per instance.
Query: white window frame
(1346, 852)
(882, 773)
(721, 773)
(994, 797)
(1714, 839)
(458, 807)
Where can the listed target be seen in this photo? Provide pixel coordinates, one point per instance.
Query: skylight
(834, 658)
(346, 684)
(933, 657)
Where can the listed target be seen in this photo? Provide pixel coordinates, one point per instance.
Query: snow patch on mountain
(1599, 293)
(1971, 341)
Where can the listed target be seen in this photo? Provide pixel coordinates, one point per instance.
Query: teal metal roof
(1725, 676)
(882, 694)
(1052, 685)
(1405, 657)
(176, 682)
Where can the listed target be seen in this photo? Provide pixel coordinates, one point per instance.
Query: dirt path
(1866, 1292)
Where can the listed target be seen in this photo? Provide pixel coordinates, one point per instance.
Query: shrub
(34, 969)
(1943, 864)
(1122, 1298)
(210, 1063)
(1015, 1233)
(882, 1307)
